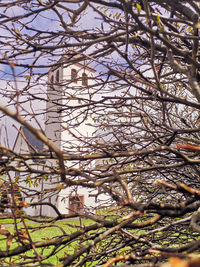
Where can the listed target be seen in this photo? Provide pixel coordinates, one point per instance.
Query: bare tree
(141, 160)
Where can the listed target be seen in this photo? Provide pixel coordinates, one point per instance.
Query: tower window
(74, 75)
(52, 81)
(84, 79)
(57, 76)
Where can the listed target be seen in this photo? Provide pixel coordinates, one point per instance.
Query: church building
(68, 88)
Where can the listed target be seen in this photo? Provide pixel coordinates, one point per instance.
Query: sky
(48, 22)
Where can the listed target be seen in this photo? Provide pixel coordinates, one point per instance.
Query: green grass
(56, 229)
(51, 231)
(8, 221)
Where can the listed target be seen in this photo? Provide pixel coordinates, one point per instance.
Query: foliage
(142, 160)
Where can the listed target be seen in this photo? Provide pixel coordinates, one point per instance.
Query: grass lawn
(40, 234)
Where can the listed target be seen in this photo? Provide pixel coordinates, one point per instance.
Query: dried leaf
(187, 147)
(177, 262)
(4, 231)
(9, 241)
(24, 204)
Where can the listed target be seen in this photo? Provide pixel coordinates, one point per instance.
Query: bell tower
(69, 124)
(68, 119)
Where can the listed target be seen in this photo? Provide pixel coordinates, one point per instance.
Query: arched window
(84, 79)
(57, 76)
(74, 75)
(76, 204)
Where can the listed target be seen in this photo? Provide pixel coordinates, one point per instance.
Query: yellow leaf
(60, 186)
(138, 6)
(197, 25)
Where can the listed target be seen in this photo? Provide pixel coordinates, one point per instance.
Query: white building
(69, 87)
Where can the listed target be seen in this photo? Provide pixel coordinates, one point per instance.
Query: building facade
(68, 88)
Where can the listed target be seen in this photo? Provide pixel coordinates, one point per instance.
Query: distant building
(68, 87)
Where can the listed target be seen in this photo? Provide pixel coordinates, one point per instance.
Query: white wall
(76, 120)
(75, 128)
(63, 199)
(54, 95)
